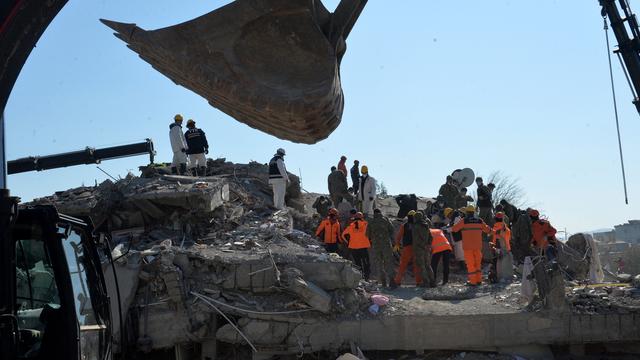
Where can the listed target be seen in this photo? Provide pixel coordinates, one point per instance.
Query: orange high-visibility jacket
(471, 229)
(501, 231)
(357, 235)
(440, 242)
(331, 231)
(542, 231)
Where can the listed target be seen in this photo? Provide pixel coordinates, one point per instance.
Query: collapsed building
(208, 269)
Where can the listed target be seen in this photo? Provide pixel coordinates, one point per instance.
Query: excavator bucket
(271, 64)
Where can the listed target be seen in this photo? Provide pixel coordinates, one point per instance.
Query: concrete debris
(208, 258)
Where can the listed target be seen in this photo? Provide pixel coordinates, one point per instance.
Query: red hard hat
(534, 213)
(499, 215)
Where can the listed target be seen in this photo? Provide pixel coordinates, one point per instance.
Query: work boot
(174, 170)
(202, 171)
(183, 169)
(393, 284)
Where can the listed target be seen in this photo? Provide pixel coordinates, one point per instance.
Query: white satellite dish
(463, 177)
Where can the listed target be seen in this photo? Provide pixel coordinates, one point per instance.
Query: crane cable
(615, 109)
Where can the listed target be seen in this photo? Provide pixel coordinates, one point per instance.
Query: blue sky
(430, 86)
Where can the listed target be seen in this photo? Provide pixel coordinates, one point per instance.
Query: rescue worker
(178, 146)
(404, 241)
(521, 237)
(543, 236)
(463, 199)
(449, 192)
(358, 243)
(422, 249)
(484, 202)
(472, 229)
(342, 165)
(278, 178)
(367, 193)
(440, 249)
(380, 233)
(337, 184)
(329, 231)
(322, 205)
(198, 147)
(355, 176)
(454, 217)
(510, 211)
(501, 243)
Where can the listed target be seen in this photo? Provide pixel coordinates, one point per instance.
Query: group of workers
(189, 148)
(431, 236)
(360, 195)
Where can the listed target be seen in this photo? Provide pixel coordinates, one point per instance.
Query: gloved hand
(396, 247)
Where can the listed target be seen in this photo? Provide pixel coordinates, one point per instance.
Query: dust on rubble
(190, 250)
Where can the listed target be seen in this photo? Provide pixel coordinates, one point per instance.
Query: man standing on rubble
(472, 230)
(440, 249)
(342, 165)
(367, 193)
(484, 202)
(422, 249)
(543, 236)
(404, 241)
(355, 176)
(380, 233)
(278, 178)
(329, 231)
(178, 146)
(356, 237)
(449, 192)
(198, 147)
(337, 184)
(462, 200)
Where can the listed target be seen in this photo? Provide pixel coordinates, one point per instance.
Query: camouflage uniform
(380, 233)
(521, 238)
(422, 249)
(450, 194)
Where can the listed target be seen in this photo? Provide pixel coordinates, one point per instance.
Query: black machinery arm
(81, 157)
(628, 41)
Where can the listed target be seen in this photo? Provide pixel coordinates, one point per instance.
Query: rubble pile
(606, 299)
(189, 249)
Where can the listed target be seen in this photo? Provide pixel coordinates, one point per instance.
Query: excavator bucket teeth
(271, 64)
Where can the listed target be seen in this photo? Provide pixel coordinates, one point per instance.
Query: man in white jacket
(278, 178)
(178, 146)
(367, 191)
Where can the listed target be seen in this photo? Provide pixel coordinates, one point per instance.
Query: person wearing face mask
(329, 231)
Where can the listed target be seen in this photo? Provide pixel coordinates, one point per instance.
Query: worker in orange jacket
(472, 230)
(543, 235)
(501, 246)
(440, 248)
(404, 239)
(356, 237)
(329, 231)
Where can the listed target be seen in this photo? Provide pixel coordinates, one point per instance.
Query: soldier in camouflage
(380, 231)
(422, 249)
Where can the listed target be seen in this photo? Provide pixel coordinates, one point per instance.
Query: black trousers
(361, 259)
(435, 258)
(331, 248)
